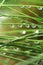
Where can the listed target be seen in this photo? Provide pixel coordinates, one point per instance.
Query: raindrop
(33, 26)
(16, 49)
(4, 53)
(29, 6)
(28, 26)
(0, 45)
(12, 26)
(36, 42)
(40, 8)
(20, 26)
(27, 52)
(24, 32)
(37, 31)
(22, 6)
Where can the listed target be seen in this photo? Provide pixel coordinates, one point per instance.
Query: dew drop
(20, 26)
(24, 32)
(4, 53)
(29, 6)
(36, 42)
(0, 45)
(12, 26)
(40, 8)
(28, 26)
(22, 6)
(37, 31)
(33, 26)
(27, 52)
(16, 49)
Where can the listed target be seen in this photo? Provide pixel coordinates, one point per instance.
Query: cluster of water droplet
(21, 26)
(29, 6)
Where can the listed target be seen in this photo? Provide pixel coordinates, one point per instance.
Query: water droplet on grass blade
(23, 32)
(4, 53)
(22, 6)
(12, 26)
(16, 49)
(29, 6)
(33, 26)
(27, 52)
(28, 26)
(36, 42)
(40, 8)
(20, 26)
(37, 31)
(0, 45)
